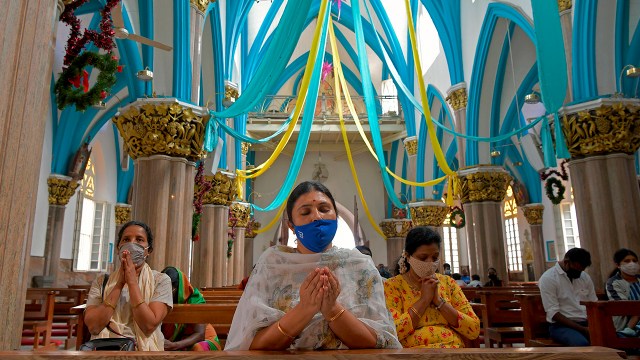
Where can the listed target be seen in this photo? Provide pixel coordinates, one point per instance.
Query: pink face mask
(423, 268)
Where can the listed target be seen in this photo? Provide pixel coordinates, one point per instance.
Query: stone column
(164, 137)
(395, 230)
(196, 29)
(602, 137)
(457, 98)
(482, 190)
(533, 214)
(123, 216)
(240, 212)
(27, 45)
(210, 268)
(564, 6)
(249, 235)
(411, 145)
(61, 189)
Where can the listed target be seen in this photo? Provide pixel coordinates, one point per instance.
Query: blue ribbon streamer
(547, 145)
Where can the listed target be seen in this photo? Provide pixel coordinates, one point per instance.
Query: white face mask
(423, 268)
(630, 268)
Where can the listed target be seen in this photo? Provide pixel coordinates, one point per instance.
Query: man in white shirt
(562, 287)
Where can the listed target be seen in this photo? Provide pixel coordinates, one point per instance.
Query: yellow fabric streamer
(273, 221)
(337, 70)
(304, 87)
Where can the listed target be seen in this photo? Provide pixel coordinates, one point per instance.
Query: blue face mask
(317, 235)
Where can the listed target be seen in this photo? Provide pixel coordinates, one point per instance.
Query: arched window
(511, 227)
(450, 239)
(92, 226)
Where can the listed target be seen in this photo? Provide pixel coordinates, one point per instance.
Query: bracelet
(415, 312)
(108, 304)
(442, 302)
(282, 331)
(337, 315)
(138, 304)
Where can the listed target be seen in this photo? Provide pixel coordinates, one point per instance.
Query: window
(569, 225)
(450, 246)
(93, 219)
(389, 98)
(511, 226)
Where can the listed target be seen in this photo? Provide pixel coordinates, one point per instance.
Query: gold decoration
(428, 215)
(533, 213)
(123, 214)
(231, 92)
(244, 147)
(458, 99)
(61, 190)
(223, 190)
(162, 128)
(202, 5)
(395, 228)
(411, 144)
(241, 212)
(251, 229)
(484, 186)
(610, 128)
(564, 5)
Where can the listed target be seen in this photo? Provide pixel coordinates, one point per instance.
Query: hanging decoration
(550, 187)
(231, 233)
(457, 218)
(327, 68)
(73, 85)
(562, 173)
(202, 186)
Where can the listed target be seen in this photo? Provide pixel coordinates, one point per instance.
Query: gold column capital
(223, 191)
(252, 226)
(564, 5)
(123, 214)
(601, 127)
(244, 147)
(411, 145)
(533, 213)
(160, 126)
(428, 213)
(201, 5)
(457, 98)
(241, 211)
(61, 189)
(483, 183)
(395, 228)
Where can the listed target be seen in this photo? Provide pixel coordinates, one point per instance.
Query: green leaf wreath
(67, 94)
(549, 186)
(456, 212)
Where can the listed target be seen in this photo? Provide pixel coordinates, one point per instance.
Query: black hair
(364, 249)
(418, 236)
(475, 277)
(619, 256)
(579, 255)
(306, 187)
(456, 276)
(446, 265)
(173, 275)
(146, 228)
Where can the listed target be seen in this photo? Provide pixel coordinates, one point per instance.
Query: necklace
(415, 285)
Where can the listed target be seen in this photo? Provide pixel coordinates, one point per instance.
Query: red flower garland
(203, 186)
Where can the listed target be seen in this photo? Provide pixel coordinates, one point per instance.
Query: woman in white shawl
(134, 300)
(313, 296)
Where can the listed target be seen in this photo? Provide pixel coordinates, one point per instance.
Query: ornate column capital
(224, 189)
(162, 126)
(457, 96)
(201, 5)
(244, 147)
(240, 211)
(252, 226)
(601, 127)
(483, 183)
(533, 213)
(428, 213)
(123, 213)
(564, 5)
(411, 145)
(395, 228)
(61, 189)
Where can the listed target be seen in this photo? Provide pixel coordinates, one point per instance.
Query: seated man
(475, 281)
(562, 287)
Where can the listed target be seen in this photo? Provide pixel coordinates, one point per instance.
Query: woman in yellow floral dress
(429, 309)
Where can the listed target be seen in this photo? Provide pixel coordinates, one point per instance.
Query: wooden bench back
(218, 315)
(601, 329)
(39, 304)
(503, 309)
(534, 318)
(221, 293)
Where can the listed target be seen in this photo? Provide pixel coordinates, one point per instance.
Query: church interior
(510, 127)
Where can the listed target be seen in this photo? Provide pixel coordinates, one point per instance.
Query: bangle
(442, 302)
(282, 331)
(108, 304)
(337, 315)
(415, 312)
(138, 304)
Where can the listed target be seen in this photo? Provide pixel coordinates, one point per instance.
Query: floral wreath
(549, 188)
(457, 211)
(82, 96)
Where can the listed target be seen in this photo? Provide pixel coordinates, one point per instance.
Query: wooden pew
(504, 322)
(601, 329)
(534, 321)
(38, 315)
(481, 313)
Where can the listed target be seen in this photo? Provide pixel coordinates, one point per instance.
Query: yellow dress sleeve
(468, 322)
(395, 304)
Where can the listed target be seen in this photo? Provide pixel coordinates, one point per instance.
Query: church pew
(38, 316)
(503, 322)
(558, 353)
(534, 321)
(601, 329)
